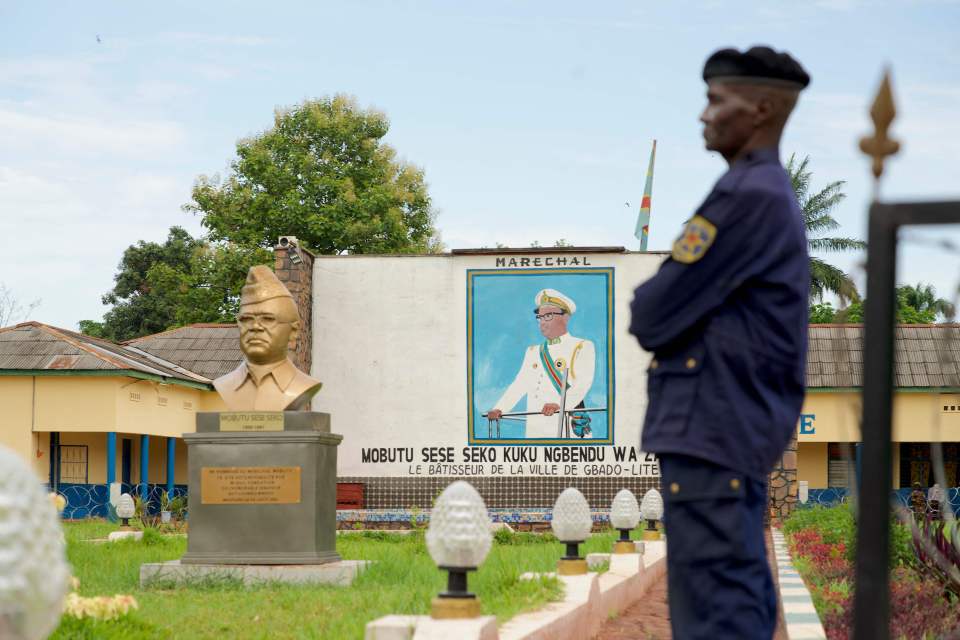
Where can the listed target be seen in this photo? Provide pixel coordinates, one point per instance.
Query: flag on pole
(642, 231)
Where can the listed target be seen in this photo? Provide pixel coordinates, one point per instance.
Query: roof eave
(125, 373)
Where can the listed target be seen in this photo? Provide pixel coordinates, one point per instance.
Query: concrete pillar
(144, 466)
(171, 464)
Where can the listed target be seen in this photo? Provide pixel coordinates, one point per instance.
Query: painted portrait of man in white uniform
(540, 377)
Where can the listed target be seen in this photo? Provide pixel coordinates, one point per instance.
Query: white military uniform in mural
(541, 373)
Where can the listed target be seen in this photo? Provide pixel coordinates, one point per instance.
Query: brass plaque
(251, 421)
(250, 485)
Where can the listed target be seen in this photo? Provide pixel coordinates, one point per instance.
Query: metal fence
(833, 496)
(92, 500)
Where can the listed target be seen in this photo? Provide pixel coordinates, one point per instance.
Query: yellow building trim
(83, 409)
(917, 417)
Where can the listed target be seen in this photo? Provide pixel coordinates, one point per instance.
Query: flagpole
(642, 231)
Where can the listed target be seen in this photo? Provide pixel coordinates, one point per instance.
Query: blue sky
(532, 120)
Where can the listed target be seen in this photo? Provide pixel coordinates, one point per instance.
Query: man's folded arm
(681, 295)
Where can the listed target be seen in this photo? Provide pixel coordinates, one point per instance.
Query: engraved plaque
(251, 421)
(250, 485)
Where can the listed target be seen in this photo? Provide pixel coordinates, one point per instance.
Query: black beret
(758, 64)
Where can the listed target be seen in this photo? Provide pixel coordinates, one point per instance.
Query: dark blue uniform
(726, 320)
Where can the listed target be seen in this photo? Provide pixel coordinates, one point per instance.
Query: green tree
(184, 280)
(822, 313)
(816, 208)
(324, 174)
(915, 305)
(924, 299)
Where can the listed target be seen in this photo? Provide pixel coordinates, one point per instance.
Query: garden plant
(923, 604)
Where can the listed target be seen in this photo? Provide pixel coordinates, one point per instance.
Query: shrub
(937, 549)
(151, 536)
(836, 525)
(507, 536)
(822, 542)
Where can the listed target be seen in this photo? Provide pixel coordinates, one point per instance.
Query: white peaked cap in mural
(624, 512)
(34, 576)
(555, 298)
(571, 521)
(459, 533)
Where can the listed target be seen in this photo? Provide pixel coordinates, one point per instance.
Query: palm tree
(816, 208)
(924, 299)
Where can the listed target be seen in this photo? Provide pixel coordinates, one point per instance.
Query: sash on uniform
(579, 421)
(553, 372)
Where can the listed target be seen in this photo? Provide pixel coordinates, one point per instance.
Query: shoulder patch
(693, 243)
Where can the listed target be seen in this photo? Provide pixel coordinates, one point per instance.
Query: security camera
(288, 241)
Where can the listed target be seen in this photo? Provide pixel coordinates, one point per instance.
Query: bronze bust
(269, 324)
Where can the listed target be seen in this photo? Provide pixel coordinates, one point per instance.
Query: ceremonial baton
(515, 415)
(563, 405)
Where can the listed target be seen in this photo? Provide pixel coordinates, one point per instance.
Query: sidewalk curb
(799, 615)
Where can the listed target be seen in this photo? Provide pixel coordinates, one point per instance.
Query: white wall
(390, 346)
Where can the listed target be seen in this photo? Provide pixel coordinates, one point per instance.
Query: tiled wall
(498, 493)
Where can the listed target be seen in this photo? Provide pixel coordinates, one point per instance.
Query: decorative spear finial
(883, 111)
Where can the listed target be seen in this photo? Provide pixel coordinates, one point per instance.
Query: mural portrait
(540, 356)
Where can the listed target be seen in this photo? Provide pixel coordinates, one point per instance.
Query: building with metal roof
(926, 405)
(89, 413)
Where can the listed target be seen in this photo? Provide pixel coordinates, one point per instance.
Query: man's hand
(494, 414)
(550, 408)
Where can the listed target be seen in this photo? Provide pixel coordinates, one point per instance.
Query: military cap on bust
(262, 284)
(760, 65)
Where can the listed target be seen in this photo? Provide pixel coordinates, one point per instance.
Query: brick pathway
(649, 619)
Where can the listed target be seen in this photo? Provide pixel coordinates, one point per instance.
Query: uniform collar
(557, 340)
(283, 372)
(761, 156)
(728, 182)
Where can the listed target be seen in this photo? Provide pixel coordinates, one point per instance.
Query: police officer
(726, 320)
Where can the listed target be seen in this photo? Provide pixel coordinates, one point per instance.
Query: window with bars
(73, 463)
(840, 464)
(916, 464)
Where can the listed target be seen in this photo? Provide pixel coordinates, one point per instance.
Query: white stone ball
(459, 532)
(125, 506)
(34, 575)
(652, 505)
(624, 512)
(571, 520)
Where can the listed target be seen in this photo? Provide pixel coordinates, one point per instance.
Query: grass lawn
(402, 580)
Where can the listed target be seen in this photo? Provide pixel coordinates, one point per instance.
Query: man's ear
(764, 110)
(294, 334)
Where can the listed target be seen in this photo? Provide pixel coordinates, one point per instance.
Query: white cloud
(41, 72)
(21, 129)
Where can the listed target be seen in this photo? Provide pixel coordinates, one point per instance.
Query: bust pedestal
(262, 488)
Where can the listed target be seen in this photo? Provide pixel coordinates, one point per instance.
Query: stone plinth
(177, 573)
(262, 496)
(426, 628)
(124, 535)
